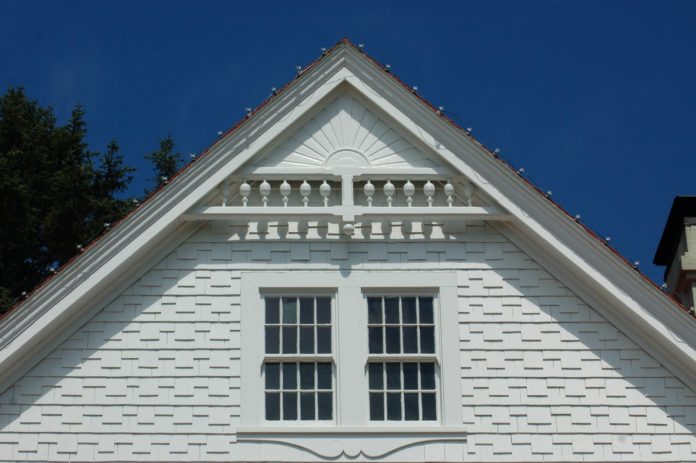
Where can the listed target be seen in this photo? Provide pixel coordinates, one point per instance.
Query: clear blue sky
(595, 99)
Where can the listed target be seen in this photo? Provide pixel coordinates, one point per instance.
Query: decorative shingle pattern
(155, 375)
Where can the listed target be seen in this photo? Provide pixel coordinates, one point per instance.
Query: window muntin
(298, 385)
(402, 328)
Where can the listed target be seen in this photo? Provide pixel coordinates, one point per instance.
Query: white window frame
(350, 352)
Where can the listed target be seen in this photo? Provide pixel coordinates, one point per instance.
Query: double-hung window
(298, 363)
(401, 358)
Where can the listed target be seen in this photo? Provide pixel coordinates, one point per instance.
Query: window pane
(289, 405)
(376, 406)
(393, 340)
(323, 376)
(272, 340)
(306, 340)
(324, 340)
(272, 376)
(410, 339)
(411, 406)
(408, 310)
(425, 306)
(394, 406)
(273, 405)
(376, 375)
(374, 310)
(323, 310)
(429, 406)
(393, 376)
(376, 341)
(325, 405)
(427, 375)
(290, 339)
(427, 340)
(306, 376)
(391, 309)
(306, 310)
(307, 406)
(272, 310)
(289, 310)
(410, 375)
(289, 376)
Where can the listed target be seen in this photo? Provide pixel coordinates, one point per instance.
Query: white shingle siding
(155, 375)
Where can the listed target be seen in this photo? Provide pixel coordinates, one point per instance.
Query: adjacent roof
(682, 207)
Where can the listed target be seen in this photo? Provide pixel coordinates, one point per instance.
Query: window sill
(332, 442)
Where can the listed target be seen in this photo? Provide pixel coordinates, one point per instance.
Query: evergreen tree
(54, 198)
(165, 161)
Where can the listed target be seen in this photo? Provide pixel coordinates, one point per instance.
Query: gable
(346, 131)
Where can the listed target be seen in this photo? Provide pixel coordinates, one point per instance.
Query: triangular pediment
(347, 132)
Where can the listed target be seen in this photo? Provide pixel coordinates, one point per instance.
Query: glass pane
(306, 310)
(323, 376)
(374, 310)
(272, 340)
(427, 375)
(325, 405)
(289, 310)
(429, 406)
(393, 375)
(391, 309)
(306, 340)
(376, 375)
(290, 339)
(408, 310)
(289, 376)
(289, 405)
(324, 339)
(306, 376)
(425, 306)
(376, 406)
(272, 376)
(410, 339)
(410, 375)
(272, 310)
(393, 340)
(307, 406)
(411, 406)
(324, 310)
(375, 337)
(427, 340)
(394, 406)
(273, 405)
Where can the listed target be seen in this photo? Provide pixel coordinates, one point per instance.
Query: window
(401, 360)
(298, 362)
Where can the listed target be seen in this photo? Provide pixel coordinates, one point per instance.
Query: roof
(682, 207)
(566, 246)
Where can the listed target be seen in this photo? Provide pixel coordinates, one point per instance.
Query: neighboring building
(348, 276)
(677, 250)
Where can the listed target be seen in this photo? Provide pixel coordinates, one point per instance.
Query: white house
(348, 276)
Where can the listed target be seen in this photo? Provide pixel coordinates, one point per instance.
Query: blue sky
(595, 99)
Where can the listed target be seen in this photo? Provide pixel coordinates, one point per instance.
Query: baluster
(449, 192)
(225, 192)
(429, 190)
(325, 192)
(469, 190)
(305, 191)
(369, 190)
(265, 190)
(409, 190)
(245, 191)
(389, 191)
(285, 192)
